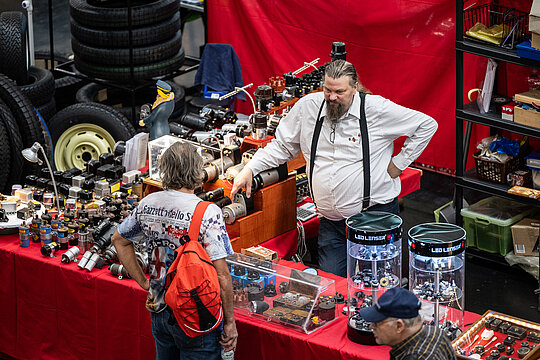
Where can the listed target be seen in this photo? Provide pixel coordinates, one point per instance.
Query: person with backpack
(172, 225)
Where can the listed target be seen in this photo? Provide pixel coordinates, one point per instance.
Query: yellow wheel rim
(81, 143)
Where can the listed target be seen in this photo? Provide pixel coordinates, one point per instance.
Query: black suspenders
(365, 151)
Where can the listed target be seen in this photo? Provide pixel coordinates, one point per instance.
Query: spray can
(24, 235)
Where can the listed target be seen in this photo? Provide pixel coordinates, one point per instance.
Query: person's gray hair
(408, 322)
(340, 68)
(412, 322)
(180, 166)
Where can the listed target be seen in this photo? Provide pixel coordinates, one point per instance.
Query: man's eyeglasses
(379, 323)
(333, 132)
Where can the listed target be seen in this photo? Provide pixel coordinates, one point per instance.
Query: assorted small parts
(448, 291)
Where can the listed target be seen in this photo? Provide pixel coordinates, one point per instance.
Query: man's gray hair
(340, 68)
(180, 167)
(413, 321)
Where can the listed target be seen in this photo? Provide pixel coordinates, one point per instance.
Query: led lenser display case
(373, 265)
(437, 273)
(293, 298)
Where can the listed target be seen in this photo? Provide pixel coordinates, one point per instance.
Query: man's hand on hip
(393, 171)
(242, 180)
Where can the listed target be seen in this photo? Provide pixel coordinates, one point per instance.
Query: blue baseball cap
(395, 303)
(162, 85)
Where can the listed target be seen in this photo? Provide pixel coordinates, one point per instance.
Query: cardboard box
(534, 17)
(507, 111)
(527, 117)
(260, 252)
(535, 41)
(525, 236)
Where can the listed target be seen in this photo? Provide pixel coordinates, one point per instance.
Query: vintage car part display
(306, 303)
(373, 264)
(437, 273)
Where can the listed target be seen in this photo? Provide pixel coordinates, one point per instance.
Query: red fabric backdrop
(403, 50)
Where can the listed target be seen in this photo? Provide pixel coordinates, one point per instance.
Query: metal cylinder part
(45, 234)
(91, 262)
(232, 212)
(259, 130)
(215, 194)
(84, 259)
(49, 249)
(84, 243)
(231, 172)
(195, 121)
(224, 201)
(119, 271)
(73, 234)
(70, 255)
(24, 235)
(62, 237)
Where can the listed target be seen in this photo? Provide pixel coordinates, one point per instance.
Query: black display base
(364, 337)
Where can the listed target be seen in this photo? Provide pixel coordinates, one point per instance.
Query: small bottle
(227, 355)
(534, 80)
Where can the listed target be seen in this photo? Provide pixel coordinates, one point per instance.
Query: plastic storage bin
(155, 148)
(533, 163)
(488, 222)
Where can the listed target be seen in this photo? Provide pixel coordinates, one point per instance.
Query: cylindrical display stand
(437, 273)
(373, 265)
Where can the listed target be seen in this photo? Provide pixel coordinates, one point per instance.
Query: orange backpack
(192, 287)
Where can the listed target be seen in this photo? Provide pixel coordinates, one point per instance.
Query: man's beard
(335, 110)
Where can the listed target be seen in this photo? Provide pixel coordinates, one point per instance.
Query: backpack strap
(196, 220)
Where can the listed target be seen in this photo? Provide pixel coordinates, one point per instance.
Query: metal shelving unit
(471, 115)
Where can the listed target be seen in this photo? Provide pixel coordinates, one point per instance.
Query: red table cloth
(52, 310)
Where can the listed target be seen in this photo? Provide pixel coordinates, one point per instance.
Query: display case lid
(373, 228)
(437, 239)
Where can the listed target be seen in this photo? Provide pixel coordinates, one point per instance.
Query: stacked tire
(101, 44)
(22, 90)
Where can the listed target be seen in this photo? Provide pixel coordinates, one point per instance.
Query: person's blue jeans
(333, 242)
(173, 344)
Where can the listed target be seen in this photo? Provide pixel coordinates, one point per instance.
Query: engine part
(196, 122)
(248, 155)
(215, 194)
(338, 51)
(240, 130)
(224, 201)
(241, 206)
(110, 254)
(62, 237)
(24, 234)
(70, 255)
(259, 121)
(218, 115)
(83, 241)
(49, 249)
(214, 169)
(45, 234)
(73, 234)
(92, 261)
(119, 271)
(231, 172)
(273, 123)
(264, 95)
(269, 177)
(258, 307)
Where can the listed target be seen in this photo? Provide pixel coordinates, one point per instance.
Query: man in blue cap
(158, 120)
(395, 321)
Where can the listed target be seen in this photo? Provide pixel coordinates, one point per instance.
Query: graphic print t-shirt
(158, 222)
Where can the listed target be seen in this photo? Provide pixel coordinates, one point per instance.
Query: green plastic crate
(488, 222)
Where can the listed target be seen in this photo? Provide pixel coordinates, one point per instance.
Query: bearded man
(326, 127)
